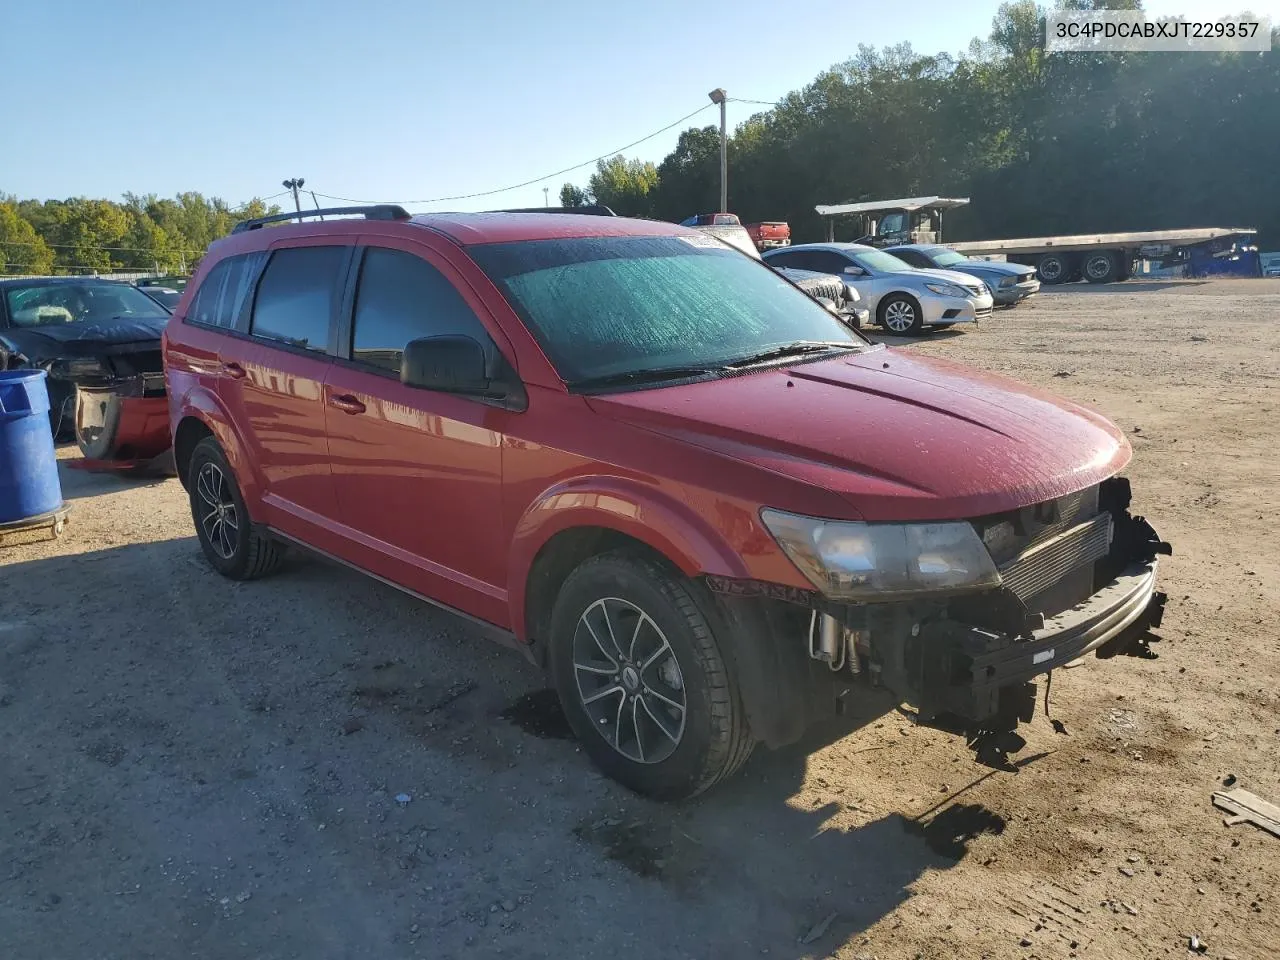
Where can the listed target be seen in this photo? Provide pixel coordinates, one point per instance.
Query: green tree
(625, 185)
(22, 250)
(571, 196)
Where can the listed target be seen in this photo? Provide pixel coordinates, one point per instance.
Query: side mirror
(854, 270)
(450, 364)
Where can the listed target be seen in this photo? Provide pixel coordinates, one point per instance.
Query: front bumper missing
(967, 667)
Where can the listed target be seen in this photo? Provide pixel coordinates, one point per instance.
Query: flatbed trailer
(1096, 257)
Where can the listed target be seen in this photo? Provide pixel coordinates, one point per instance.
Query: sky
(411, 100)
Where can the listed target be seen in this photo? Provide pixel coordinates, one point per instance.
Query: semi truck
(1097, 258)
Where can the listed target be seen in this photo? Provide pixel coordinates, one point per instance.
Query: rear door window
(826, 261)
(402, 297)
(296, 296)
(221, 297)
(913, 257)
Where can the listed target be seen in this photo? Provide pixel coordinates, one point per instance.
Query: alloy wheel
(218, 519)
(628, 680)
(899, 316)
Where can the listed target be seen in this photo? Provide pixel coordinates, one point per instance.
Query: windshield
(944, 257)
(877, 261)
(605, 306)
(85, 302)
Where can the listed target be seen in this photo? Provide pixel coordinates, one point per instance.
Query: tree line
(1042, 144)
(140, 234)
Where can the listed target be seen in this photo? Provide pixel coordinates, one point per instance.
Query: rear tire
(1101, 267)
(223, 526)
(901, 314)
(642, 680)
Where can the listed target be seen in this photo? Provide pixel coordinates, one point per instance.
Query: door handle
(346, 403)
(234, 371)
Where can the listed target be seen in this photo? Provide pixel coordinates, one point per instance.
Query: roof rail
(590, 210)
(377, 211)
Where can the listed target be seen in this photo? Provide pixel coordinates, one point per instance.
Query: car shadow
(877, 335)
(272, 707)
(79, 483)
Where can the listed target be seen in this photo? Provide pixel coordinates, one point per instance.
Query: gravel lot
(316, 766)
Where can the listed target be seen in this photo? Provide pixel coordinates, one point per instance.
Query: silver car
(1010, 283)
(903, 300)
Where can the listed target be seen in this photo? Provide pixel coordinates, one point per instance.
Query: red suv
(712, 511)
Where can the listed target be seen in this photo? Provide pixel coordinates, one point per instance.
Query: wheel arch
(199, 415)
(578, 520)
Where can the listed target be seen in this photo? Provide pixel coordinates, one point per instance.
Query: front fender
(651, 516)
(204, 405)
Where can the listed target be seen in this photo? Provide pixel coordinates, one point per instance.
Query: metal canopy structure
(909, 204)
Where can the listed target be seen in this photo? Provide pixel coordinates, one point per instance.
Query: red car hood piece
(900, 437)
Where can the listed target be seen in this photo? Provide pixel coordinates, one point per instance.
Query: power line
(759, 103)
(526, 183)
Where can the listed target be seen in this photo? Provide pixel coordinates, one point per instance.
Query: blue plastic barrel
(29, 484)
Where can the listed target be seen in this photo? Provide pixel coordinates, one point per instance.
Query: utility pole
(295, 185)
(718, 96)
(546, 201)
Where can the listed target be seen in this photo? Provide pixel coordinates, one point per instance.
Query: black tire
(1102, 266)
(1055, 268)
(713, 738)
(902, 305)
(234, 549)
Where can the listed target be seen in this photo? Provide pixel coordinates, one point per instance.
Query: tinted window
(401, 297)
(204, 307)
(295, 297)
(789, 258)
(825, 261)
(242, 271)
(913, 257)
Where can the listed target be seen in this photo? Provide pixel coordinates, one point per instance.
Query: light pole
(546, 200)
(295, 185)
(718, 96)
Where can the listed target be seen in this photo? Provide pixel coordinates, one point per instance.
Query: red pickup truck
(769, 234)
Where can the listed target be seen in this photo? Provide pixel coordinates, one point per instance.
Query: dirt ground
(316, 766)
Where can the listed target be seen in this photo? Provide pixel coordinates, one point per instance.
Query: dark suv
(712, 511)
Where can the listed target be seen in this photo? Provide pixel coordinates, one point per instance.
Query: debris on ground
(1246, 807)
(818, 929)
(403, 798)
(1196, 945)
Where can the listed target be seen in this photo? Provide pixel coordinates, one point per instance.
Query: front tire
(1054, 268)
(902, 315)
(223, 527)
(642, 680)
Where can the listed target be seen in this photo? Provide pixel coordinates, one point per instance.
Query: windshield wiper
(643, 375)
(796, 348)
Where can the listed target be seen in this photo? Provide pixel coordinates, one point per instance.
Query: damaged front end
(114, 394)
(1071, 576)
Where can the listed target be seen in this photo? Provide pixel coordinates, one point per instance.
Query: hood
(993, 268)
(107, 333)
(951, 276)
(898, 437)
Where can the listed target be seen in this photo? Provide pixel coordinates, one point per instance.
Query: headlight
(1008, 281)
(947, 290)
(848, 560)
